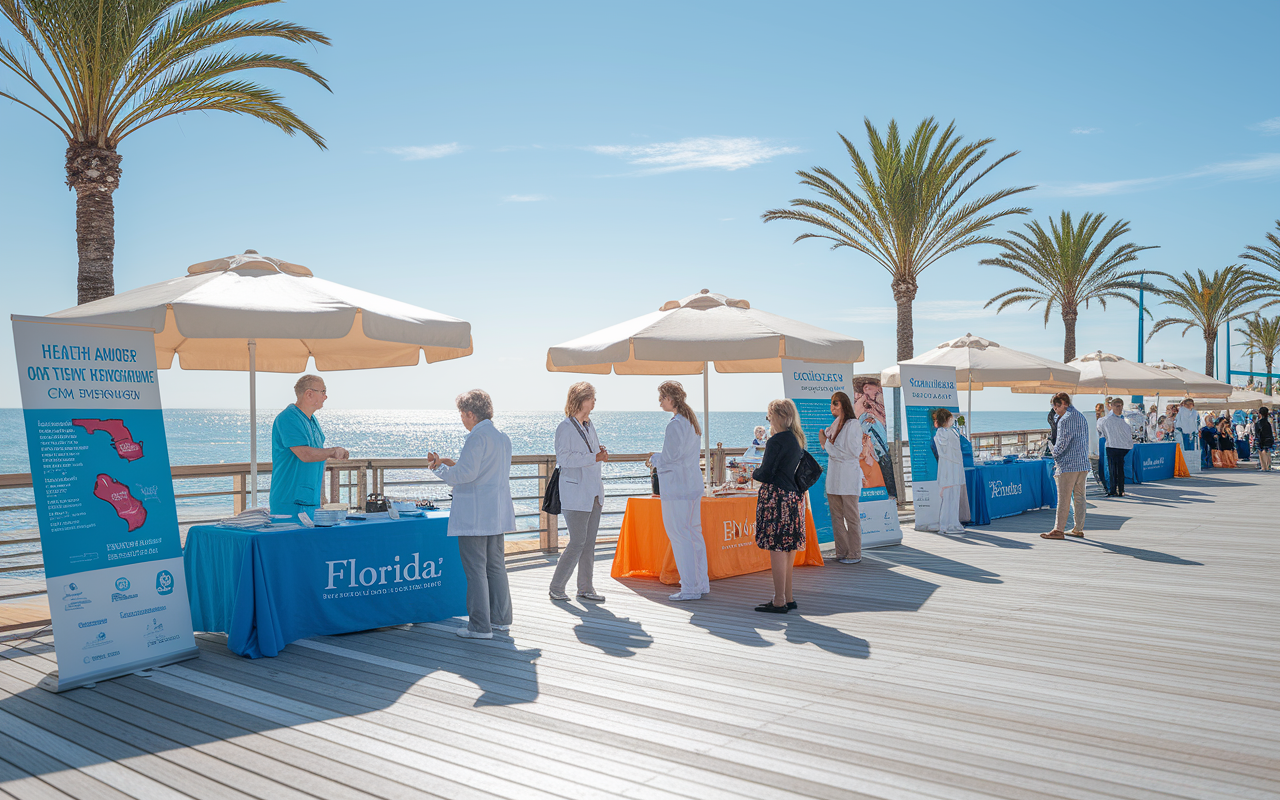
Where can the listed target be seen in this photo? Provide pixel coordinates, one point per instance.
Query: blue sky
(546, 170)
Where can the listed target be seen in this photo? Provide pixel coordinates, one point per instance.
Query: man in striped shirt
(1071, 465)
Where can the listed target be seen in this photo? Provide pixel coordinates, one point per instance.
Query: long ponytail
(675, 392)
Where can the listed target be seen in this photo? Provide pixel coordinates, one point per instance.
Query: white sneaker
(502, 627)
(850, 561)
(467, 633)
(678, 596)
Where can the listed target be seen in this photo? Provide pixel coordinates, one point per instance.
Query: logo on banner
(122, 584)
(362, 578)
(999, 489)
(100, 640)
(736, 531)
(164, 582)
(73, 598)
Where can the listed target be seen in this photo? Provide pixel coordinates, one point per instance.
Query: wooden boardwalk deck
(1141, 662)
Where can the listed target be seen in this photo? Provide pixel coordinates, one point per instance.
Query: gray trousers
(488, 596)
(581, 550)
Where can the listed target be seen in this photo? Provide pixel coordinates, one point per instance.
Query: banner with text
(104, 499)
(810, 386)
(926, 389)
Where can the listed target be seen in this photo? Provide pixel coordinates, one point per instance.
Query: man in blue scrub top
(298, 452)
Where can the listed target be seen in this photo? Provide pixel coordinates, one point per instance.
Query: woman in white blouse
(579, 456)
(680, 482)
(843, 443)
(950, 472)
(481, 513)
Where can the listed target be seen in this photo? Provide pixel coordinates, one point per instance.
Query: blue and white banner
(924, 390)
(104, 499)
(810, 386)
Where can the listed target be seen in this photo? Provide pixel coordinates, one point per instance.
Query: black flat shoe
(790, 606)
(770, 608)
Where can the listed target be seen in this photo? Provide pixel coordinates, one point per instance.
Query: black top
(781, 457)
(1263, 432)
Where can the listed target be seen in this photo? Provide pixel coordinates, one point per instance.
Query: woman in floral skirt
(780, 510)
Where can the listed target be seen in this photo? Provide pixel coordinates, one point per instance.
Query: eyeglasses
(318, 391)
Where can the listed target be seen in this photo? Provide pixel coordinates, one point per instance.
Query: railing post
(238, 485)
(548, 524)
(362, 484)
(335, 485)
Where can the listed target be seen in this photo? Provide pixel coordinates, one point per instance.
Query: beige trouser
(847, 525)
(1070, 487)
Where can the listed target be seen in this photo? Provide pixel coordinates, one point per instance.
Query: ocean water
(222, 436)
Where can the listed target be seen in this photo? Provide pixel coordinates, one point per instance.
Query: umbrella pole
(968, 420)
(706, 418)
(253, 422)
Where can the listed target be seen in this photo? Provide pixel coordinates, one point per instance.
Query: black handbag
(551, 498)
(375, 503)
(653, 481)
(807, 471)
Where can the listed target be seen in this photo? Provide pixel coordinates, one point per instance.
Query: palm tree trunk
(904, 292)
(1069, 336)
(94, 173)
(1268, 362)
(1210, 343)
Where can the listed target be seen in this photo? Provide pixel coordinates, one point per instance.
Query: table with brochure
(1009, 488)
(268, 586)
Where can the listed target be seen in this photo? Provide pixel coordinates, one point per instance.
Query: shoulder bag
(551, 498)
(807, 471)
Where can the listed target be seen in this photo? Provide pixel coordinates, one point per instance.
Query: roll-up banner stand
(104, 499)
(924, 390)
(810, 386)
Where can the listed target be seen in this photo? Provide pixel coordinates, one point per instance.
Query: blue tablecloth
(265, 589)
(1242, 449)
(1149, 461)
(1008, 489)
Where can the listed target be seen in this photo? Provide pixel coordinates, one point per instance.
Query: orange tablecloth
(728, 528)
(1180, 464)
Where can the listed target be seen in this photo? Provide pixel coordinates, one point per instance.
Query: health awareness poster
(810, 386)
(104, 499)
(924, 390)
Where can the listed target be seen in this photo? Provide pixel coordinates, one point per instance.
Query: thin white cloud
(422, 153)
(1268, 127)
(1086, 131)
(525, 198)
(706, 152)
(1263, 165)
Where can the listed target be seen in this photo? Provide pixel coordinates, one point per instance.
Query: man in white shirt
(1186, 425)
(1119, 435)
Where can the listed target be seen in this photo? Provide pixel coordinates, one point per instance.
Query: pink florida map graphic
(121, 438)
(127, 507)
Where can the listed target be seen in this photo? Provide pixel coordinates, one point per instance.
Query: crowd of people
(482, 511)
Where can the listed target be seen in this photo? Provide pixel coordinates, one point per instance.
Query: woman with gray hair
(579, 456)
(481, 514)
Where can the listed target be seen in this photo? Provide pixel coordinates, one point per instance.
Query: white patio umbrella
(255, 313)
(1105, 373)
(1194, 384)
(684, 336)
(982, 363)
(1240, 398)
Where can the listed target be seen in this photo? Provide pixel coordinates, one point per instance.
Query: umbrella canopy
(981, 363)
(1240, 398)
(683, 336)
(208, 316)
(1194, 384)
(251, 312)
(1105, 373)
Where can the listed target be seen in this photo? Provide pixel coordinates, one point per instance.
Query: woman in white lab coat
(950, 472)
(843, 443)
(680, 484)
(579, 457)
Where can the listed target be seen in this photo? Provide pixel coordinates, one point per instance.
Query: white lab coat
(950, 479)
(581, 481)
(481, 481)
(680, 482)
(679, 476)
(844, 465)
(1187, 423)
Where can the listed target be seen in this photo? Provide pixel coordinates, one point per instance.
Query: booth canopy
(1104, 373)
(682, 336)
(207, 317)
(1194, 384)
(1240, 398)
(982, 363)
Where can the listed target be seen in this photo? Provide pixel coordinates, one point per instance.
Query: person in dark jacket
(780, 509)
(1265, 437)
(1208, 443)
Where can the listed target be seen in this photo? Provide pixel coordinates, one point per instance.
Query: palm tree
(1210, 302)
(98, 70)
(1270, 255)
(1262, 336)
(907, 208)
(1069, 266)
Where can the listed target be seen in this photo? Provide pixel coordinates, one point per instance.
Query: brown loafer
(1054, 534)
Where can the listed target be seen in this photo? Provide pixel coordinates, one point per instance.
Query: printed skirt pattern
(779, 519)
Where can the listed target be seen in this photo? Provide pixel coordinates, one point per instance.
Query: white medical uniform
(950, 479)
(680, 482)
